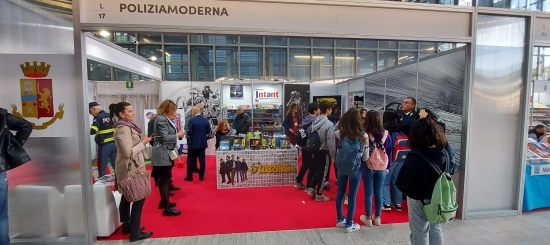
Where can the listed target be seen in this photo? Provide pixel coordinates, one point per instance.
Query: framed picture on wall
(236, 91)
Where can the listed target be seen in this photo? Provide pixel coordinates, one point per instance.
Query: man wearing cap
(103, 132)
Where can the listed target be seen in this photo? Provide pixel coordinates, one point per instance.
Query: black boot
(174, 188)
(171, 212)
(171, 194)
(137, 235)
(126, 228)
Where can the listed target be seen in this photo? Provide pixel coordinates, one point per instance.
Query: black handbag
(13, 153)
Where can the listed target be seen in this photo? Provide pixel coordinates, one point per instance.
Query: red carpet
(207, 210)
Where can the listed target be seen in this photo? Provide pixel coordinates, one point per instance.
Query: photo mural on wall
(189, 95)
(297, 94)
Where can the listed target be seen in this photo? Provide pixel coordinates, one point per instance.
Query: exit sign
(129, 84)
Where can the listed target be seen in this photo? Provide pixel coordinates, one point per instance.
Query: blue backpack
(454, 165)
(348, 157)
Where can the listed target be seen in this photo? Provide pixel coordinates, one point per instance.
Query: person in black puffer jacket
(417, 178)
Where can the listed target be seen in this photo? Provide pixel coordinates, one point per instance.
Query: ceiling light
(104, 33)
(167, 54)
(307, 57)
(404, 57)
(153, 58)
(432, 48)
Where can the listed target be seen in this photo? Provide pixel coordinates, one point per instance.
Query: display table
(262, 168)
(537, 181)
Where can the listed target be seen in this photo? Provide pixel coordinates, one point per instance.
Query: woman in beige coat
(130, 152)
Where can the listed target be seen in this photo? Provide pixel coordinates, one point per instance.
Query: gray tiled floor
(528, 229)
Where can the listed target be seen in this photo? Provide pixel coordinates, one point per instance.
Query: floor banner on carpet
(256, 168)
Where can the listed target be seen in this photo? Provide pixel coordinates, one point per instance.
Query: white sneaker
(368, 222)
(377, 221)
(341, 224)
(352, 228)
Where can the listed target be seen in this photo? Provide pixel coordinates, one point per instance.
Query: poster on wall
(334, 99)
(267, 94)
(249, 168)
(179, 121)
(39, 89)
(297, 94)
(236, 91)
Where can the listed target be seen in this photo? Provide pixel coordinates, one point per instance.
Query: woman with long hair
(427, 113)
(130, 152)
(350, 128)
(373, 180)
(221, 131)
(363, 113)
(391, 194)
(166, 139)
(290, 124)
(417, 178)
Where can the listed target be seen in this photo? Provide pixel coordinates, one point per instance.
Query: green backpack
(443, 206)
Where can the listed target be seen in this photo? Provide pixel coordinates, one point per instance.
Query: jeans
(422, 232)
(4, 219)
(321, 162)
(393, 194)
(106, 153)
(353, 188)
(373, 181)
(192, 155)
(135, 216)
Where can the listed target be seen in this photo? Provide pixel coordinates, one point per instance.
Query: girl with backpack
(392, 196)
(353, 143)
(418, 178)
(375, 169)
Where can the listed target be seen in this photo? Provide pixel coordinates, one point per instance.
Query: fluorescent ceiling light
(322, 57)
(153, 58)
(104, 33)
(404, 57)
(432, 48)
(168, 54)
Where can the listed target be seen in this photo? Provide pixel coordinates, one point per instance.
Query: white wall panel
(119, 88)
(104, 52)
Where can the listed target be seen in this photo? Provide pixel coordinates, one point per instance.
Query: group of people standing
(119, 129)
(236, 170)
(385, 177)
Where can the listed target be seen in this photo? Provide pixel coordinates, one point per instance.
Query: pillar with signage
(263, 156)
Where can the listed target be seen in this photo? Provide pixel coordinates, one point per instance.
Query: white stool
(74, 210)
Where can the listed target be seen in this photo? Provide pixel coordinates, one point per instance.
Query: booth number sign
(540, 170)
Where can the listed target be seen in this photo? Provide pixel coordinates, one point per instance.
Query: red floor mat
(207, 210)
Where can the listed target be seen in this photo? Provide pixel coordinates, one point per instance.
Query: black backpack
(301, 136)
(150, 130)
(314, 143)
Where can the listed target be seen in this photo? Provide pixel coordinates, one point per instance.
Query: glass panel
(345, 43)
(98, 71)
(408, 45)
(405, 57)
(227, 39)
(465, 3)
(175, 38)
(129, 47)
(501, 3)
(227, 59)
(388, 44)
(484, 3)
(122, 75)
(427, 46)
(367, 44)
(275, 62)
(366, 61)
(149, 38)
(252, 63)
(323, 43)
(386, 59)
(305, 42)
(275, 41)
(444, 47)
(201, 39)
(202, 63)
(300, 67)
(321, 63)
(177, 72)
(123, 37)
(177, 59)
(252, 40)
(344, 63)
(426, 53)
(152, 52)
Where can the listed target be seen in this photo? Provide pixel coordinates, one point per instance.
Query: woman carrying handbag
(132, 180)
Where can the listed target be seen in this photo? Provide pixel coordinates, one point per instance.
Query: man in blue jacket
(409, 115)
(197, 142)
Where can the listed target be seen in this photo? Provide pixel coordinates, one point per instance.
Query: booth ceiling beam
(110, 54)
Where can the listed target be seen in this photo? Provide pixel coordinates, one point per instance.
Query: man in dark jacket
(103, 132)
(197, 142)
(307, 158)
(242, 122)
(23, 130)
(409, 115)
